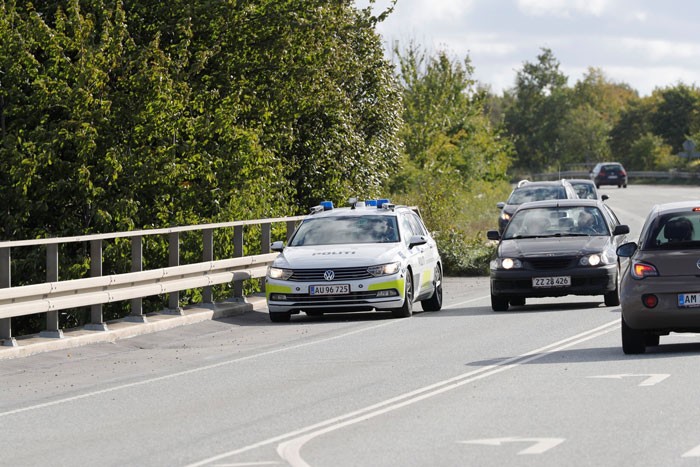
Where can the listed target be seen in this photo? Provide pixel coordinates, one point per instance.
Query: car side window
(406, 229)
(418, 227)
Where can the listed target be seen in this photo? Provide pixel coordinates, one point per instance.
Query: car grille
(554, 262)
(341, 274)
(306, 299)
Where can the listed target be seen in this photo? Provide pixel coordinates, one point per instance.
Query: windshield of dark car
(557, 222)
(674, 231)
(337, 230)
(536, 193)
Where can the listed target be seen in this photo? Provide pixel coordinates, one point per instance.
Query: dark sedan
(557, 248)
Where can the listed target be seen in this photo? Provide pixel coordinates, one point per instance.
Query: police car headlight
(505, 216)
(384, 269)
(279, 273)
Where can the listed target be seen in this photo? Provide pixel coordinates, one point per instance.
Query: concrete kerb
(125, 328)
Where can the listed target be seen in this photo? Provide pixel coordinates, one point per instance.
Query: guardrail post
(208, 255)
(237, 253)
(96, 319)
(174, 260)
(136, 315)
(52, 325)
(264, 246)
(6, 338)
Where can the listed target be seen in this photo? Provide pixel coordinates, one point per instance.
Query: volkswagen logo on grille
(329, 275)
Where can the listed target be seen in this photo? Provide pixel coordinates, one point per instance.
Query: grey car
(586, 189)
(557, 248)
(659, 291)
(527, 191)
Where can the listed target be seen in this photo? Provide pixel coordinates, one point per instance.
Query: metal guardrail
(660, 175)
(54, 295)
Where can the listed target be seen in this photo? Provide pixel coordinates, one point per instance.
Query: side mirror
(626, 250)
(417, 240)
(493, 235)
(621, 229)
(604, 197)
(500, 204)
(277, 246)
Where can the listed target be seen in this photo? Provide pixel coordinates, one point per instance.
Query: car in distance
(659, 290)
(586, 189)
(527, 191)
(372, 255)
(609, 173)
(556, 248)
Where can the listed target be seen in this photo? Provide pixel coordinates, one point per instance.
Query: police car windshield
(337, 230)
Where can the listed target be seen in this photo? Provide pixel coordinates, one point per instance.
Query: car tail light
(650, 300)
(623, 173)
(640, 270)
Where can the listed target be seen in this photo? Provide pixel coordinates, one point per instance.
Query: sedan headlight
(279, 273)
(505, 216)
(596, 259)
(506, 263)
(384, 269)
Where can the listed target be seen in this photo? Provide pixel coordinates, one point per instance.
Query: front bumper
(383, 293)
(584, 281)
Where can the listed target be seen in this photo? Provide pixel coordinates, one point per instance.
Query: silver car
(660, 291)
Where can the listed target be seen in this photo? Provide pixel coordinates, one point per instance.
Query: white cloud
(662, 50)
(564, 8)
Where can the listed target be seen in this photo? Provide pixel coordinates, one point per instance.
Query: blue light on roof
(382, 202)
(371, 202)
(327, 205)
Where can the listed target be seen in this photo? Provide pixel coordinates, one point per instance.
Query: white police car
(372, 255)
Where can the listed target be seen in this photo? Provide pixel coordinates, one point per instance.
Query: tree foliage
(122, 114)
(450, 151)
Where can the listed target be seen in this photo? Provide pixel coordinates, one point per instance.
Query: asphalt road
(544, 384)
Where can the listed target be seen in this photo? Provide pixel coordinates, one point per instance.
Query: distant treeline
(554, 125)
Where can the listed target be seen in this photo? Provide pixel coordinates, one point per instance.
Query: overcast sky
(644, 43)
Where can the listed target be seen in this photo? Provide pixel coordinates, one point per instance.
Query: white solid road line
(291, 443)
(193, 370)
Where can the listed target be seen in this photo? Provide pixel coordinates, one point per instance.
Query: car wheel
(612, 298)
(407, 309)
(499, 303)
(624, 186)
(633, 341)
(520, 301)
(434, 303)
(651, 340)
(280, 317)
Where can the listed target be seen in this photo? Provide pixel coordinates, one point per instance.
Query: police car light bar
(327, 205)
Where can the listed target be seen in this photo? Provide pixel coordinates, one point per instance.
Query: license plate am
(334, 289)
(688, 300)
(554, 281)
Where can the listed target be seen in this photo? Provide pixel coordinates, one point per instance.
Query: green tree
(541, 103)
(676, 114)
(450, 150)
